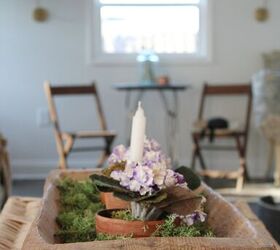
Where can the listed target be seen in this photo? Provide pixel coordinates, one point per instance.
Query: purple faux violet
(151, 174)
(118, 155)
(151, 145)
(170, 178)
(195, 217)
(180, 178)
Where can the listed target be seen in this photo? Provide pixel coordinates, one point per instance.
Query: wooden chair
(239, 135)
(5, 169)
(65, 140)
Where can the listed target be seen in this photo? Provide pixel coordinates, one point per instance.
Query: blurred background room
(207, 73)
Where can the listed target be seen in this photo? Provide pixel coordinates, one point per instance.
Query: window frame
(95, 55)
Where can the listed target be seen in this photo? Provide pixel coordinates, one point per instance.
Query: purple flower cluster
(118, 155)
(152, 174)
(196, 216)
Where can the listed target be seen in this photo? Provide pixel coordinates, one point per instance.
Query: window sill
(130, 60)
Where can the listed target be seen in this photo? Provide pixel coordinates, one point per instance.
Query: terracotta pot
(111, 201)
(102, 197)
(105, 224)
(163, 80)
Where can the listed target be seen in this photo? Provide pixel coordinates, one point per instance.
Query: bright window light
(168, 27)
(149, 2)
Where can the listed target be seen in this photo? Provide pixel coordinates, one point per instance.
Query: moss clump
(117, 166)
(79, 201)
(170, 229)
(123, 215)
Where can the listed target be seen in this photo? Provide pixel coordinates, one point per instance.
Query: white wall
(31, 52)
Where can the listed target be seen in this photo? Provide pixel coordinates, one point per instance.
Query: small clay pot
(111, 201)
(102, 197)
(105, 224)
(163, 80)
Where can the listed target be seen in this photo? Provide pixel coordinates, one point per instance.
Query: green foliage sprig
(170, 229)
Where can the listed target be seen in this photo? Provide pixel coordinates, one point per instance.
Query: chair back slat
(73, 90)
(52, 91)
(237, 89)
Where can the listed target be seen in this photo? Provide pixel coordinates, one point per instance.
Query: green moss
(79, 201)
(117, 166)
(169, 229)
(123, 215)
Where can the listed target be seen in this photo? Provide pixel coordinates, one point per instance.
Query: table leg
(270, 159)
(175, 125)
(277, 164)
(128, 117)
(172, 125)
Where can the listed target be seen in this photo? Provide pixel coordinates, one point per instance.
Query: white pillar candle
(137, 135)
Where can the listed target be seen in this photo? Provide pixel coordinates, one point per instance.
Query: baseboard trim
(38, 169)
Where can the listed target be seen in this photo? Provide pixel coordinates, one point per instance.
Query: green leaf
(135, 196)
(191, 177)
(104, 189)
(107, 184)
(180, 201)
(155, 199)
(129, 196)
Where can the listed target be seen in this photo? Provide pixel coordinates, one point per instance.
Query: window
(172, 28)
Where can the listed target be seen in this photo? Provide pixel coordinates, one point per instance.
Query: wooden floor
(252, 191)
(33, 188)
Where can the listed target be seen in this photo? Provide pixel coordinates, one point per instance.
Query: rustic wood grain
(236, 227)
